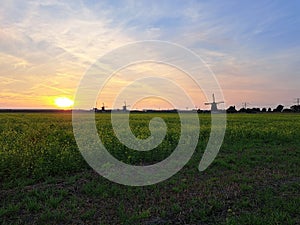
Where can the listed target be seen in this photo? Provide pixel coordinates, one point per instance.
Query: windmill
(125, 106)
(95, 109)
(103, 107)
(214, 104)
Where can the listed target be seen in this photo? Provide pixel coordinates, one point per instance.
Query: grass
(254, 179)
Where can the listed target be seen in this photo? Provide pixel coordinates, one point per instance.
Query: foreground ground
(254, 179)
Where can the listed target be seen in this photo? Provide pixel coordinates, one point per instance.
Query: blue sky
(252, 46)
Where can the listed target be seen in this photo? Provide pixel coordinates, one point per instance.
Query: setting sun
(64, 102)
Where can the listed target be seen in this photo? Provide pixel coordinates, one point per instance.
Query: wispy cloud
(46, 46)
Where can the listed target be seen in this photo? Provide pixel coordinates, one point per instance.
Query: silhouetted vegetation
(279, 108)
(231, 109)
(295, 108)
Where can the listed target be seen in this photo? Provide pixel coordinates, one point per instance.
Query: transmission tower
(244, 104)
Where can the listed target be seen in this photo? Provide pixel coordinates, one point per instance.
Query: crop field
(255, 178)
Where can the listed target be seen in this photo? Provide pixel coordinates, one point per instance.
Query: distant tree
(256, 109)
(231, 109)
(287, 110)
(279, 108)
(242, 110)
(199, 111)
(269, 110)
(249, 110)
(264, 110)
(253, 110)
(295, 108)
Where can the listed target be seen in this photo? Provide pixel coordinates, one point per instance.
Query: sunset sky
(253, 47)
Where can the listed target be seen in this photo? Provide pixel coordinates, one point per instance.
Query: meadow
(253, 180)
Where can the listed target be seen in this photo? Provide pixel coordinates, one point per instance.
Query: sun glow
(64, 102)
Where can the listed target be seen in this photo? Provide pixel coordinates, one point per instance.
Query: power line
(244, 104)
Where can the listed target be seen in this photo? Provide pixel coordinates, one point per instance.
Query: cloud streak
(46, 46)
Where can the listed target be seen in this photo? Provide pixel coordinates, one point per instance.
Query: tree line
(279, 108)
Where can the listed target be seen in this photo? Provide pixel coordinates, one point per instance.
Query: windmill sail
(214, 104)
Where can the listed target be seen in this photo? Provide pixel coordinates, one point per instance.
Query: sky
(251, 47)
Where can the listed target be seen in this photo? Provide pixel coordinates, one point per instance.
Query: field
(254, 179)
